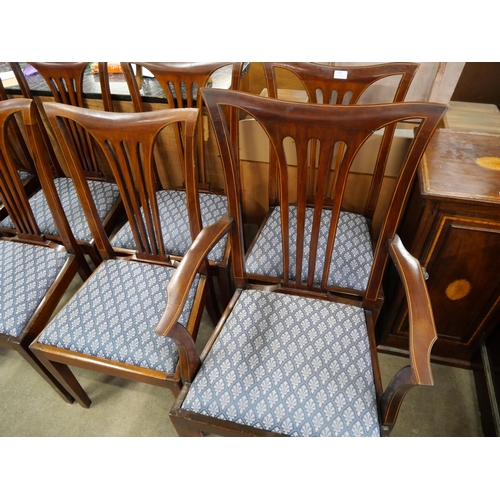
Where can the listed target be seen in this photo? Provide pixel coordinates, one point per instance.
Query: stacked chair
(292, 358)
(294, 352)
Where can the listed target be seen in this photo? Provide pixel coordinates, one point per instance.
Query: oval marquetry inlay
(491, 162)
(458, 289)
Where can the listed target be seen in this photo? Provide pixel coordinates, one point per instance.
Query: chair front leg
(38, 366)
(64, 376)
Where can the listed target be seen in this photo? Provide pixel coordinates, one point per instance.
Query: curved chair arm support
(189, 359)
(422, 333)
(178, 290)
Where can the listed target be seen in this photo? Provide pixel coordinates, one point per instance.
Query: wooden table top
(462, 165)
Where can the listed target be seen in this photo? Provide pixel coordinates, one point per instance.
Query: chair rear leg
(225, 285)
(35, 363)
(94, 255)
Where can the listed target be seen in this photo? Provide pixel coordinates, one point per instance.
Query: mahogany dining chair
(108, 325)
(344, 86)
(181, 84)
(291, 358)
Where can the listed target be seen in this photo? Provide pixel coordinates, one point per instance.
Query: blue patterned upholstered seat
(114, 314)
(105, 195)
(174, 220)
(352, 257)
(26, 274)
(291, 365)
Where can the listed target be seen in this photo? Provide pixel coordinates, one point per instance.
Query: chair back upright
(28, 94)
(127, 141)
(344, 85)
(17, 143)
(181, 84)
(12, 191)
(329, 126)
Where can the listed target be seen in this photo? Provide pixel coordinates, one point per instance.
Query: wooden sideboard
(452, 225)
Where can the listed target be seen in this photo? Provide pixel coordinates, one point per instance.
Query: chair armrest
(422, 333)
(178, 290)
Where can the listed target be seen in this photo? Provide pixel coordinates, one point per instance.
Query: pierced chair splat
(34, 272)
(108, 325)
(181, 84)
(291, 358)
(341, 85)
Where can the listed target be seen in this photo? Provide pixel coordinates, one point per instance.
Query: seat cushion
(105, 195)
(291, 365)
(174, 220)
(352, 257)
(114, 313)
(26, 274)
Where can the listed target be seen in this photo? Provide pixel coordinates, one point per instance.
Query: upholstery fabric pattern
(26, 274)
(290, 365)
(352, 256)
(114, 314)
(174, 219)
(105, 195)
(23, 175)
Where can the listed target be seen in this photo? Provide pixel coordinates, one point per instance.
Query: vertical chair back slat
(107, 100)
